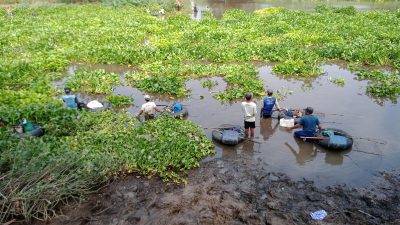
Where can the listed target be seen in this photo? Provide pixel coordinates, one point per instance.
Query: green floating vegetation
(169, 79)
(97, 81)
(15, 99)
(168, 84)
(209, 83)
(241, 80)
(381, 84)
(77, 155)
(298, 41)
(350, 10)
(297, 69)
(119, 100)
(338, 81)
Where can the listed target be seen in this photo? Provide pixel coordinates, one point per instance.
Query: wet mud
(236, 191)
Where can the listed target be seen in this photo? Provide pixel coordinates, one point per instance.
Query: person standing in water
(178, 5)
(268, 104)
(10, 11)
(250, 111)
(148, 109)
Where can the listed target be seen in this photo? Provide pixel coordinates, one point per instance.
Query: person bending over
(70, 100)
(148, 109)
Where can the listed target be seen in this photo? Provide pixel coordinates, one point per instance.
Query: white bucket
(286, 122)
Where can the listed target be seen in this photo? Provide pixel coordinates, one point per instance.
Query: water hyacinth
(81, 151)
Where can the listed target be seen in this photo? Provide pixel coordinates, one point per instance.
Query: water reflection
(249, 148)
(266, 127)
(306, 152)
(218, 7)
(335, 157)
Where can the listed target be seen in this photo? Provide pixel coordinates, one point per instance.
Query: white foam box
(286, 122)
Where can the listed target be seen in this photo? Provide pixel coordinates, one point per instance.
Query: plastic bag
(318, 215)
(94, 104)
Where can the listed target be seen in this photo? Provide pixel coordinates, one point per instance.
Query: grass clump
(73, 159)
(241, 79)
(169, 78)
(297, 69)
(171, 84)
(209, 83)
(338, 81)
(381, 84)
(119, 100)
(96, 82)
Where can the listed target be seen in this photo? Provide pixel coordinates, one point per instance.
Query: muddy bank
(235, 191)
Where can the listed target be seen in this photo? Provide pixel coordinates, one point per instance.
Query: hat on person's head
(67, 89)
(309, 110)
(270, 91)
(146, 97)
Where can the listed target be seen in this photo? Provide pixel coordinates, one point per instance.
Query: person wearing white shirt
(148, 109)
(250, 111)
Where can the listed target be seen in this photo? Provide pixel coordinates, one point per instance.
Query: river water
(218, 7)
(372, 123)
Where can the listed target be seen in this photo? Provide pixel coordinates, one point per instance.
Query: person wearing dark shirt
(309, 123)
(268, 104)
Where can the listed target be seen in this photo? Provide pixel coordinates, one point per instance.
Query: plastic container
(318, 215)
(286, 122)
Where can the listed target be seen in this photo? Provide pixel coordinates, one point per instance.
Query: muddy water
(347, 108)
(342, 107)
(372, 122)
(218, 7)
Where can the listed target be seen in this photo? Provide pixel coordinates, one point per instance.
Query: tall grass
(81, 151)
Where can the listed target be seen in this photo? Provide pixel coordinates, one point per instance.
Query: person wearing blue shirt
(70, 100)
(268, 104)
(309, 123)
(176, 107)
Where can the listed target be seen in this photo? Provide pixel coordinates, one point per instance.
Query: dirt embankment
(233, 192)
